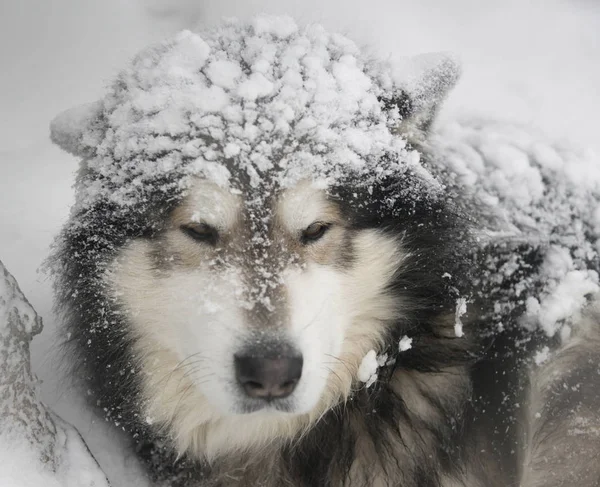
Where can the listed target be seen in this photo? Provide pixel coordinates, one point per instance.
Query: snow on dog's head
(262, 98)
(233, 255)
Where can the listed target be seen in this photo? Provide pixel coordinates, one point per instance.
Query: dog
(269, 279)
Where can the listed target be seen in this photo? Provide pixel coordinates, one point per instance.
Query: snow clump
(405, 344)
(261, 98)
(367, 371)
(461, 309)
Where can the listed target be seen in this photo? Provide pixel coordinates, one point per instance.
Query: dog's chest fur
(405, 431)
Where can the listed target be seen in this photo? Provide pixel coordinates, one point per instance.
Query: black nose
(268, 377)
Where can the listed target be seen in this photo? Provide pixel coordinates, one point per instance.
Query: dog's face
(244, 315)
(242, 307)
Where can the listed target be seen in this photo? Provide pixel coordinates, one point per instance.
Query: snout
(268, 376)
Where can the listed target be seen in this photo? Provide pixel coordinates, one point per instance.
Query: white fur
(318, 323)
(301, 206)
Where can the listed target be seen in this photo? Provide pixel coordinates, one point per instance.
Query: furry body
(427, 420)
(161, 294)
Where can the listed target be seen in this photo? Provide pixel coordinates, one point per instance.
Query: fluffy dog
(268, 279)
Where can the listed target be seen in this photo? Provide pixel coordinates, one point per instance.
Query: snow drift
(37, 448)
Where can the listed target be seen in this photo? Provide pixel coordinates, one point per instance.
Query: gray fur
(563, 444)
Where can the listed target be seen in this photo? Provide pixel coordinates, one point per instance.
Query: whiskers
(190, 373)
(340, 361)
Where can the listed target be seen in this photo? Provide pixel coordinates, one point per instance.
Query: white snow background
(537, 63)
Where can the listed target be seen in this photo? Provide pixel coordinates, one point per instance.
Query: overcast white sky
(534, 61)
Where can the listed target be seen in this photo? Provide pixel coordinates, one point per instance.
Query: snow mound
(18, 323)
(266, 97)
(544, 204)
(405, 344)
(36, 447)
(367, 371)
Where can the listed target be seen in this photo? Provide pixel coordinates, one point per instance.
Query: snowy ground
(535, 64)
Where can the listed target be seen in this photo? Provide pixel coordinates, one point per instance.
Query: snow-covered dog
(268, 280)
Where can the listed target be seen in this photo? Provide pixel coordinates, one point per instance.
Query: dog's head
(238, 306)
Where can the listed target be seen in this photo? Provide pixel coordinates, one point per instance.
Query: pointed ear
(78, 129)
(421, 93)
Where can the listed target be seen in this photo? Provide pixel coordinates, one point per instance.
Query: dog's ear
(77, 130)
(421, 92)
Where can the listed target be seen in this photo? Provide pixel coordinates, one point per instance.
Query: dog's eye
(201, 232)
(314, 232)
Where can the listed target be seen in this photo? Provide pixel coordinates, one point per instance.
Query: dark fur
(479, 433)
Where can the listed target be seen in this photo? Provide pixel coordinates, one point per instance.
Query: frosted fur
(177, 112)
(542, 194)
(197, 417)
(272, 98)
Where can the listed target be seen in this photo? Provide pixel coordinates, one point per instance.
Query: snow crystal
(405, 344)
(266, 97)
(367, 372)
